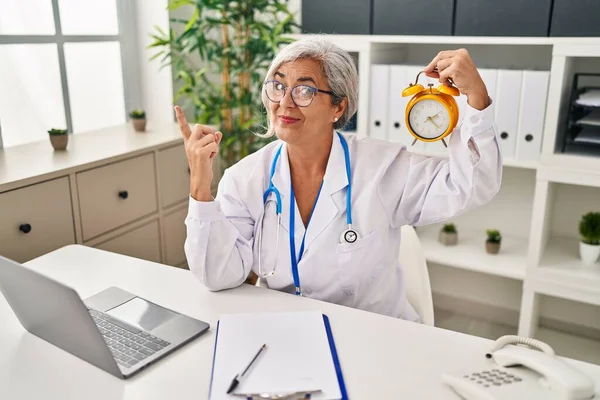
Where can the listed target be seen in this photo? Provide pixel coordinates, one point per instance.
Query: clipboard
(300, 355)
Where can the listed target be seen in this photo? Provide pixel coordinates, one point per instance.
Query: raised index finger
(184, 127)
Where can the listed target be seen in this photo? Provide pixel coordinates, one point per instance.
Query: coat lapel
(332, 201)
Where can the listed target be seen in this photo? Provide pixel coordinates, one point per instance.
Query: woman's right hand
(201, 147)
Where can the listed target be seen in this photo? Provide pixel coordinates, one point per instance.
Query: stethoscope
(350, 235)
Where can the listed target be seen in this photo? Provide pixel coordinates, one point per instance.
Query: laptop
(115, 330)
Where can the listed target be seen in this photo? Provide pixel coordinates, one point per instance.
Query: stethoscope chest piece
(349, 236)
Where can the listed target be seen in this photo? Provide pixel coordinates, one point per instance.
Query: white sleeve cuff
(204, 210)
(475, 121)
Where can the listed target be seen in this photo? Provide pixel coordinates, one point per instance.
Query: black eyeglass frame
(313, 89)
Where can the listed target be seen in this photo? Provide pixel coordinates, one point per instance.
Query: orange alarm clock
(432, 113)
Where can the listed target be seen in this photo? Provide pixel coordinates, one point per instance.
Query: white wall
(156, 83)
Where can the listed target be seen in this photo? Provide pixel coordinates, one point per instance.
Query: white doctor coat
(391, 187)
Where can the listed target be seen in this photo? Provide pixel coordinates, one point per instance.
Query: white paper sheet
(297, 357)
(590, 98)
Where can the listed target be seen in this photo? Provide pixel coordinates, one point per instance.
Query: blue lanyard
(272, 189)
(296, 260)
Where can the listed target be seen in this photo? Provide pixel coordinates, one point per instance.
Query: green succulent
(449, 228)
(493, 236)
(589, 228)
(137, 114)
(57, 132)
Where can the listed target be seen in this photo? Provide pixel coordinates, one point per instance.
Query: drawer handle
(123, 194)
(529, 137)
(25, 228)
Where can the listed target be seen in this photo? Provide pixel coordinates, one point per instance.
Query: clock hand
(431, 120)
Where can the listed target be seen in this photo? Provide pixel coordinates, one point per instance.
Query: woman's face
(298, 125)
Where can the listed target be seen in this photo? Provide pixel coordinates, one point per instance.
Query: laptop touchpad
(141, 314)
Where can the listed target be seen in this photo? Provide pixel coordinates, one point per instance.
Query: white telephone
(522, 373)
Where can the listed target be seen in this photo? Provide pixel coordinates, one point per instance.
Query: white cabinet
(173, 175)
(36, 219)
(142, 242)
(116, 194)
(103, 192)
(175, 234)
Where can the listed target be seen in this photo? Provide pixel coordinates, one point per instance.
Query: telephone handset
(522, 373)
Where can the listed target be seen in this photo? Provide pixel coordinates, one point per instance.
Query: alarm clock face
(429, 119)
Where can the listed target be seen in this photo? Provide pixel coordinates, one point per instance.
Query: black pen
(238, 377)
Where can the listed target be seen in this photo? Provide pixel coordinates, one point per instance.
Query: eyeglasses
(302, 95)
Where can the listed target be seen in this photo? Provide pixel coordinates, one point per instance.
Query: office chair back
(416, 275)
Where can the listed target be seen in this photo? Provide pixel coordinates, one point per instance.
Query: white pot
(589, 253)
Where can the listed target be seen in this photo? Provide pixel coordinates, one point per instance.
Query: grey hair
(337, 66)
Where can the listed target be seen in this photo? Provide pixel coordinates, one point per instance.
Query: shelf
(470, 252)
(570, 345)
(498, 40)
(565, 344)
(571, 170)
(564, 46)
(562, 273)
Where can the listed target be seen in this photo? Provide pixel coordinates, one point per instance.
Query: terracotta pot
(492, 248)
(448, 239)
(139, 125)
(59, 142)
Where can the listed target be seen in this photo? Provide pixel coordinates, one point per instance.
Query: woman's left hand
(458, 66)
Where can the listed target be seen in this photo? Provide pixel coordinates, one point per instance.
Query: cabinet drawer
(142, 242)
(505, 18)
(114, 195)
(175, 234)
(336, 16)
(173, 175)
(575, 18)
(412, 17)
(42, 210)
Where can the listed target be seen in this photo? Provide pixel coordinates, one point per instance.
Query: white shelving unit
(470, 253)
(540, 203)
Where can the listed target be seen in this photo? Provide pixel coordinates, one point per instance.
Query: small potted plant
(138, 117)
(494, 239)
(589, 230)
(58, 138)
(448, 235)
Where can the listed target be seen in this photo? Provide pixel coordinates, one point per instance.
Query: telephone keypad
(494, 377)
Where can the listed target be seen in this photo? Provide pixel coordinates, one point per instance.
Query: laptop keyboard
(128, 344)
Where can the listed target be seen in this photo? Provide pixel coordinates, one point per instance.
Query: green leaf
(178, 3)
(192, 20)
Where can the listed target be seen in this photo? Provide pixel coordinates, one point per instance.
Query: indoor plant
(494, 239)
(448, 235)
(589, 230)
(219, 56)
(138, 118)
(59, 138)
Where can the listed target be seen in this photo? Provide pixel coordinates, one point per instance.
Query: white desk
(381, 357)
